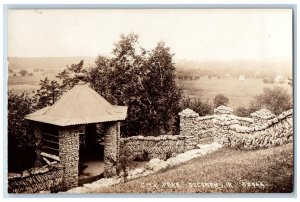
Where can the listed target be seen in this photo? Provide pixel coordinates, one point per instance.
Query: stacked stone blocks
(111, 148)
(262, 130)
(69, 154)
(46, 178)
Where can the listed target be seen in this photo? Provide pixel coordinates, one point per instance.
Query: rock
(77, 190)
(45, 192)
(188, 113)
(160, 166)
(152, 163)
(136, 172)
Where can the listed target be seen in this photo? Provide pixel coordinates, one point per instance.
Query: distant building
(242, 77)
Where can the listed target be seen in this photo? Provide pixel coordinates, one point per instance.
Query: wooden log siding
(50, 143)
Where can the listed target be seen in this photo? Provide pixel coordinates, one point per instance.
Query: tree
(67, 76)
(23, 72)
(142, 80)
(21, 141)
(48, 93)
(220, 99)
(277, 100)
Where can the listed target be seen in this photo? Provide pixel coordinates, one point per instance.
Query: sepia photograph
(173, 101)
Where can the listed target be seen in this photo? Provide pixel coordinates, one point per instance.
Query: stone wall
(273, 132)
(111, 148)
(69, 154)
(262, 130)
(162, 147)
(47, 178)
(191, 124)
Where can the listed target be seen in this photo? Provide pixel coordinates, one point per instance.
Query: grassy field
(239, 92)
(27, 84)
(226, 171)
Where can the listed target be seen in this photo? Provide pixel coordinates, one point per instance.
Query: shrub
(220, 99)
(277, 100)
(201, 107)
(21, 140)
(242, 112)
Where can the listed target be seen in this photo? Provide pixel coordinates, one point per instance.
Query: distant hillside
(214, 68)
(47, 63)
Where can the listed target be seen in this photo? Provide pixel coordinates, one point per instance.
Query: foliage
(268, 80)
(203, 108)
(290, 81)
(277, 100)
(124, 163)
(20, 134)
(23, 72)
(48, 93)
(220, 99)
(142, 80)
(242, 112)
(67, 76)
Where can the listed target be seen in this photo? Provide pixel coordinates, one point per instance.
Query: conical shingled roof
(80, 105)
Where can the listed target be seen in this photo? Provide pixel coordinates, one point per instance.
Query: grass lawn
(227, 170)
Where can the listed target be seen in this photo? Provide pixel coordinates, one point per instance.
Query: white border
(157, 2)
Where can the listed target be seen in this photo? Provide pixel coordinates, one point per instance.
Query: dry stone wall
(48, 178)
(262, 130)
(273, 132)
(162, 147)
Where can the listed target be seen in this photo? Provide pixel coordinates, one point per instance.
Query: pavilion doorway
(91, 153)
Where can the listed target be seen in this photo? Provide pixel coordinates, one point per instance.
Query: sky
(193, 34)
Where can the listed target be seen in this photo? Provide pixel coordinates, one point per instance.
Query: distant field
(238, 92)
(27, 84)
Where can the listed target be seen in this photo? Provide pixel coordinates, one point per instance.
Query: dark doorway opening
(91, 154)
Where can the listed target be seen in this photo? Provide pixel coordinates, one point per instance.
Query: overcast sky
(195, 34)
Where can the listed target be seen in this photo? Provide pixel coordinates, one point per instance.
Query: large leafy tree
(142, 80)
(162, 93)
